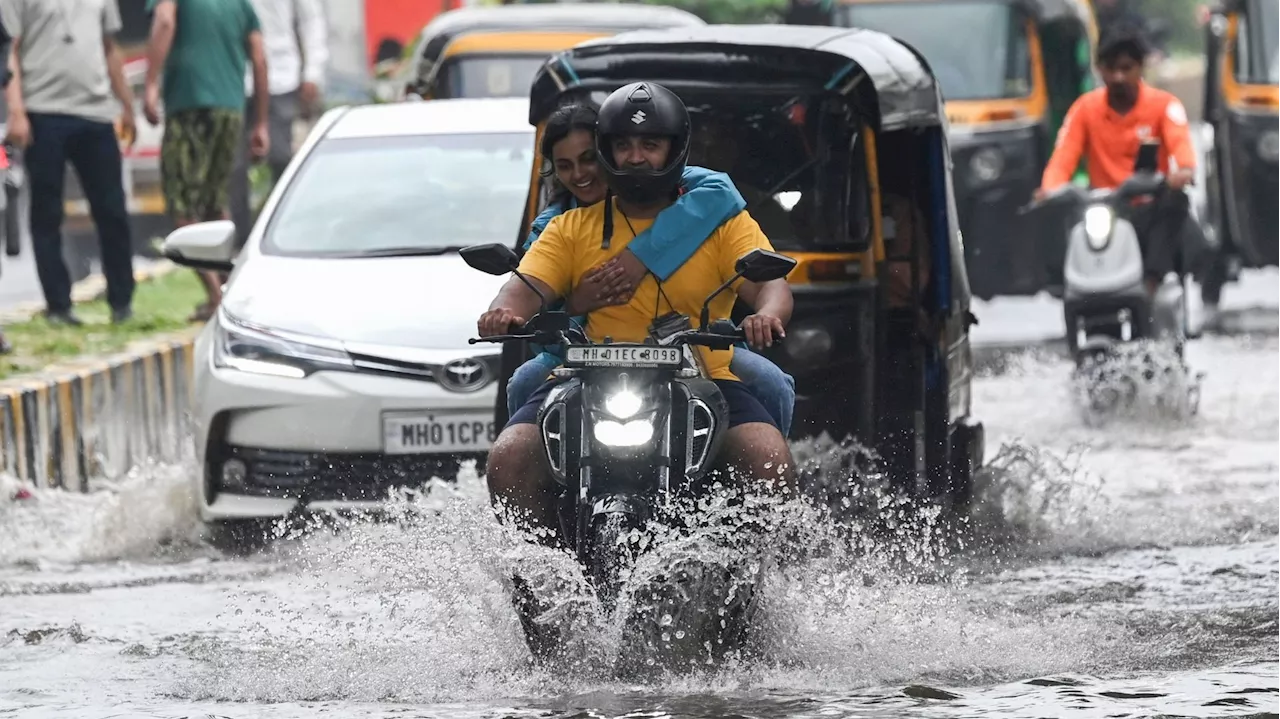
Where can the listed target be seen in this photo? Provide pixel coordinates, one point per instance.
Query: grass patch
(160, 305)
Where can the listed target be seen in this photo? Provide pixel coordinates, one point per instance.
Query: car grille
(338, 476)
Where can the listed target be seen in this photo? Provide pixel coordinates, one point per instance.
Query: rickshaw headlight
(1269, 146)
(986, 164)
(812, 345)
(1098, 221)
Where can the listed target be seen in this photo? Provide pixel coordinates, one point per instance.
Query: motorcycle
(630, 429)
(1112, 323)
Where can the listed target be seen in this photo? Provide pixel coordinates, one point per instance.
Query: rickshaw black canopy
(892, 84)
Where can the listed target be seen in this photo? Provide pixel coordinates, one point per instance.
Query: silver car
(338, 365)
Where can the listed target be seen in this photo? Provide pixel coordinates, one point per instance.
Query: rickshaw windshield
(488, 75)
(770, 147)
(978, 50)
(1258, 59)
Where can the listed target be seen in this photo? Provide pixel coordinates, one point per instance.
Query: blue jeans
(775, 389)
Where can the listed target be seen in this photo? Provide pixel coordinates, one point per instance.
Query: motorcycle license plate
(623, 356)
(437, 433)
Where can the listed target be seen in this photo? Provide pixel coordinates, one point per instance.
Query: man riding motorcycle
(1107, 126)
(642, 144)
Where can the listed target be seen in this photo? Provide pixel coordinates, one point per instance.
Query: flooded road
(1129, 570)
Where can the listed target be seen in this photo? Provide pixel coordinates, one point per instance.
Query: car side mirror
(764, 266)
(202, 246)
(494, 258)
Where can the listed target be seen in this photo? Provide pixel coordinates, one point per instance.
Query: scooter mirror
(764, 266)
(494, 258)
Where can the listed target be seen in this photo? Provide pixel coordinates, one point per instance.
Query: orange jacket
(1110, 140)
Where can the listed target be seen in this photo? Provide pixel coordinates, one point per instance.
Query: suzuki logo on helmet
(638, 117)
(464, 375)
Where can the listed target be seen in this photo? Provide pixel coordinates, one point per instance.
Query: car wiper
(399, 252)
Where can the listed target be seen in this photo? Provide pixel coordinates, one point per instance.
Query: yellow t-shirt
(570, 246)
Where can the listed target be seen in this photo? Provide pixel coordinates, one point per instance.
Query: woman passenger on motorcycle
(707, 199)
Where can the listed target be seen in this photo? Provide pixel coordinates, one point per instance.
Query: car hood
(416, 302)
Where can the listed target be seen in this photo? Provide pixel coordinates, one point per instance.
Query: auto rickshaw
(1009, 71)
(1240, 104)
(800, 118)
(495, 51)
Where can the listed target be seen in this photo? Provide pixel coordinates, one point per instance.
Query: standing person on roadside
(66, 91)
(296, 41)
(202, 46)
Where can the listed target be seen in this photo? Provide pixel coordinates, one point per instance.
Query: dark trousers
(1171, 240)
(93, 151)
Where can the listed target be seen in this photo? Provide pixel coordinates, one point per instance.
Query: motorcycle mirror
(764, 266)
(493, 258)
(496, 258)
(756, 266)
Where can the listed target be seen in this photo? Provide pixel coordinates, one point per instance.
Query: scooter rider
(1107, 126)
(642, 144)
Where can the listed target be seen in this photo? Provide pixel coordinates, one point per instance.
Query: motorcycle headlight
(1269, 146)
(258, 350)
(1098, 221)
(623, 403)
(986, 164)
(619, 434)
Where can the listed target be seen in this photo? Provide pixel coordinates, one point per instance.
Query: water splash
(147, 513)
(1144, 382)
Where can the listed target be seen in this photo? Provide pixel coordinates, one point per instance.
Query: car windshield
(489, 76)
(976, 49)
(366, 196)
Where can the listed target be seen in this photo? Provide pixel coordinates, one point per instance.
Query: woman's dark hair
(566, 119)
(1122, 42)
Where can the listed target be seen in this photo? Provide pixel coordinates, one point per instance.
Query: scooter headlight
(1098, 221)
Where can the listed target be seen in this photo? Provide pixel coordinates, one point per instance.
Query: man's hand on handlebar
(498, 321)
(761, 329)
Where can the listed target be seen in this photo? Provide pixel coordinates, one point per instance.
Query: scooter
(1119, 337)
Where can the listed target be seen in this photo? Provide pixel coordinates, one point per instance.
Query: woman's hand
(603, 286)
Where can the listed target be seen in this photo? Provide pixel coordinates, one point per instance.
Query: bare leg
(520, 480)
(761, 457)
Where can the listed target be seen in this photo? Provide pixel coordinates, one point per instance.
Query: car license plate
(437, 433)
(623, 356)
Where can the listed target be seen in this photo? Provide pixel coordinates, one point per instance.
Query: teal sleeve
(679, 230)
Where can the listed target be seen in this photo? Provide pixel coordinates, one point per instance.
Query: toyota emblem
(464, 375)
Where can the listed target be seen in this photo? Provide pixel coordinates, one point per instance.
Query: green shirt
(205, 67)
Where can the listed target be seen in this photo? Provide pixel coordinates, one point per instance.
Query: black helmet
(643, 108)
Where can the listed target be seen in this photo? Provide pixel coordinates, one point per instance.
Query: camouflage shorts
(196, 157)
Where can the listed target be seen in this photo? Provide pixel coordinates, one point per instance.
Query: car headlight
(1098, 221)
(630, 434)
(1269, 146)
(987, 164)
(258, 350)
